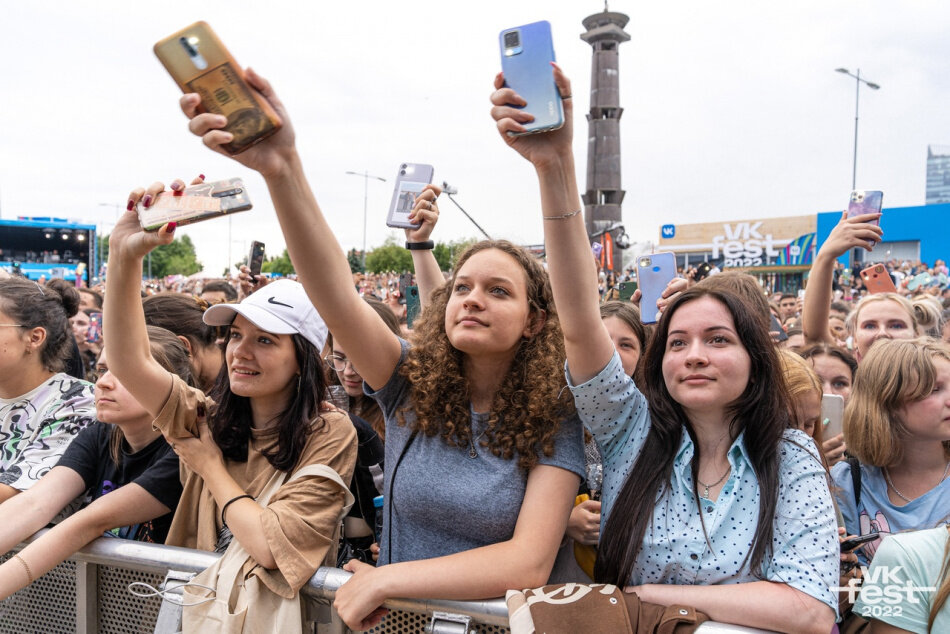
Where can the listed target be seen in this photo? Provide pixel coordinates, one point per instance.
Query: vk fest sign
(775, 241)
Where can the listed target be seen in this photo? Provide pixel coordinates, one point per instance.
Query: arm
(570, 265)
(126, 505)
(848, 234)
(7, 492)
(524, 561)
(25, 514)
(123, 324)
(428, 274)
(762, 604)
(324, 272)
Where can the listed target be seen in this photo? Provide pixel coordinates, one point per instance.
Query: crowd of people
(523, 431)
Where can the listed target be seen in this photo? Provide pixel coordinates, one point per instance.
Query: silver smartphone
(411, 179)
(832, 415)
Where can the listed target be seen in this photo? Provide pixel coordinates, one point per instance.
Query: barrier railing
(89, 593)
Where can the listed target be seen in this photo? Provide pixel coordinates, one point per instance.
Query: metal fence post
(87, 598)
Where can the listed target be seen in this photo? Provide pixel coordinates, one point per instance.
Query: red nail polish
(147, 200)
(201, 176)
(172, 226)
(129, 206)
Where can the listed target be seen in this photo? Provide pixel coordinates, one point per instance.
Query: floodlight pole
(365, 176)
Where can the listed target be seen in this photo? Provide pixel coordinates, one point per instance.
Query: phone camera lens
(512, 40)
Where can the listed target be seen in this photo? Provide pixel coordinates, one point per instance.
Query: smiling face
(260, 364)
(929, 417)
(884, 319)
(705, 365)
(487, 312)
(625, 341)
(114, 404)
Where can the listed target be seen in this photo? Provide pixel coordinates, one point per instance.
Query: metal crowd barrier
(89, 593)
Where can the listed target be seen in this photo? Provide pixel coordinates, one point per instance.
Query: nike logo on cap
(271, 300)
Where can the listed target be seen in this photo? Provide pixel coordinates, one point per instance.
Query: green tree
(447, 253)
(356, 263)
(177, 257)
(279, 264)
(389, 257)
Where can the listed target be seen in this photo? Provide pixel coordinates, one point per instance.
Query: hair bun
(67, 293)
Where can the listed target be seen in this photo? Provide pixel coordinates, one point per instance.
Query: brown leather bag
(595, 609)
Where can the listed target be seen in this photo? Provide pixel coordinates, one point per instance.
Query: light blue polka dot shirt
(675, 551)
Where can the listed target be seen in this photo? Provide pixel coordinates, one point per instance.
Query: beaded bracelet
(563, 217)
(29, 573)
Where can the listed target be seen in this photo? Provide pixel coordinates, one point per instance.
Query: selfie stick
(448, 190)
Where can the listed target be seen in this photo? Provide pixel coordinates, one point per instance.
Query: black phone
(852, 543)
(255, 259)
(777, 327)
(413, 305)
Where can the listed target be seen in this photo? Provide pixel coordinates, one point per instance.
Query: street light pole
(366, 176)
(857, 95)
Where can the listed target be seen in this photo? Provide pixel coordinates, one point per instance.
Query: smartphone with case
(878, 280)
(776, 327)
(198, 62)
(255, 258)
(526, 55)
(866, 202)
(654, 272)
(196, 203)
(94, 331)
(625, 290)
(413, 305)
(832, 415)
(411, 179)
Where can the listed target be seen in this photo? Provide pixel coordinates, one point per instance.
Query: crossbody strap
(856, 482)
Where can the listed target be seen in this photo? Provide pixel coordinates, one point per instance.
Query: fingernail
(130, 205)
(170, 227)
(147, 200)
(201, 176)
(175, 185)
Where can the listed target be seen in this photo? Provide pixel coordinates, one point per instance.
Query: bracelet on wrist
(224, 509)
(428, 245)
(563, 216)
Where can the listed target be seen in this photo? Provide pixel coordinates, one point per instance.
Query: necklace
(472, 453)
(706, 487)
(887, 478)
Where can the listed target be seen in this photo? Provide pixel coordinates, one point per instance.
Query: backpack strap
(856, 481)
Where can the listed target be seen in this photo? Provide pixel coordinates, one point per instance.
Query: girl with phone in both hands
(709, 499)
(41, 408)
(262, 422)
(897, 424)
(121, 462)
(483, 451)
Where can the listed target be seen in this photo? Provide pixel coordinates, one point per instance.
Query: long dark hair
(231, 422)
(761, 412)
(48, 307)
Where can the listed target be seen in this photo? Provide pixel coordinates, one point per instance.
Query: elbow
(266, 560)
(820, 619)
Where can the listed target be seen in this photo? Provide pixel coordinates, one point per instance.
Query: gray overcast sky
(732, 110)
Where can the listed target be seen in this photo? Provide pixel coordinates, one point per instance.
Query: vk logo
(668, 231)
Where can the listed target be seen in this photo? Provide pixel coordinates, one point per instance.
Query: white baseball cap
(281, 307)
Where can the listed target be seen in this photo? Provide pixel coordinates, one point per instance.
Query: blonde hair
(927, 313)
(801, 380)
(852, 321)
(894, 372)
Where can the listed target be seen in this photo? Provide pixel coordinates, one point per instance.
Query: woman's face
(884, 319)
(260, 364)
(838, 329)
(929, 418)
(835, 375)
(80, 326)
(114, 404)
(13, 346)
(705, 365)
(487, 312)
(807, 412)
(625, 341)
(350, 379)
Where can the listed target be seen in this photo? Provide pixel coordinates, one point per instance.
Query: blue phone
(526, 55)
(654, 272)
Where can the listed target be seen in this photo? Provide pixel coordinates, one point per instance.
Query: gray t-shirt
(443, 501)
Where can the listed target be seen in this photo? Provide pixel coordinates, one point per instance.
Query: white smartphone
(411, 179)
(832, 415)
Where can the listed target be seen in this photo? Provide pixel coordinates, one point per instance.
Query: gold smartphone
(198, 62)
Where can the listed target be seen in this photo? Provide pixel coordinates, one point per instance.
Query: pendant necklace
(706, 487)
(472, 453)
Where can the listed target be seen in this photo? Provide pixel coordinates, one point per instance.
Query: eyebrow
(710, 329)
(494, 279)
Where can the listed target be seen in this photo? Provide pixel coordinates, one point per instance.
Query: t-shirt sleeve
(59, 422)
(302, 518)
(896, 568)
(161, 479)
(613, 409)
(392, 395)
(804, 531)
(179, 416)
(568, 448)
(84, 453)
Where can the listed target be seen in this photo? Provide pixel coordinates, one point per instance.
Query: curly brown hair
(527, 409)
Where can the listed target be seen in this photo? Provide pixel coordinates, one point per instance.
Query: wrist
(420, 245)
(286, 165)
(558, 165)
